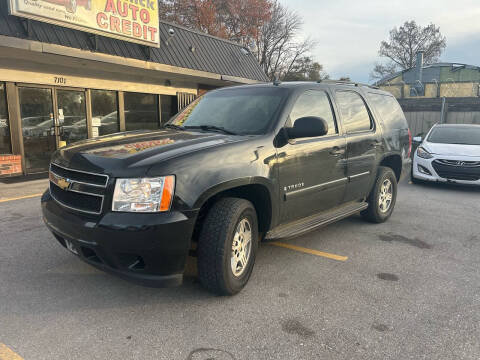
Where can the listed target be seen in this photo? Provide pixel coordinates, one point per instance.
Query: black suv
(236, 166)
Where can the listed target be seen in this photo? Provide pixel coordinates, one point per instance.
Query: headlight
(424, 154)
(144, 195)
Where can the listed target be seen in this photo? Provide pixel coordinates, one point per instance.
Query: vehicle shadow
(448, 186)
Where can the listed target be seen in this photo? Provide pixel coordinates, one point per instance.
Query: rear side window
(354, 112)
(389, 110)
(314, 103)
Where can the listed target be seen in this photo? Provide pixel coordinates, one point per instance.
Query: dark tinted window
(389, 110)
(169, 107)
(354, 112)
(314, 103)
(5, 146)
(464, 135)
(104, 112)
(141, 111)
(241, 111)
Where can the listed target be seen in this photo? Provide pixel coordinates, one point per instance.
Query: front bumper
(427, 164)
(150, 249)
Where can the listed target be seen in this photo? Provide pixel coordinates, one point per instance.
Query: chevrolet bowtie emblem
(61, 182)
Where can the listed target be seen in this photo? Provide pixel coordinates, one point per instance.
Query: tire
(215, 246)
(377, 211)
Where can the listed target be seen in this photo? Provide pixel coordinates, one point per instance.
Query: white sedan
(449, 153)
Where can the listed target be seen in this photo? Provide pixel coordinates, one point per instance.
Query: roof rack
(344, 82)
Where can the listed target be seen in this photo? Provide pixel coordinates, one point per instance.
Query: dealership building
(77, 69)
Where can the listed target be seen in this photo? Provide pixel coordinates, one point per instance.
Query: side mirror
(309, 126)
(417, 139)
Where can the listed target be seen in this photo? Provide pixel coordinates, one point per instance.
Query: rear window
(389, 110)
(462, 135)
(354, 112)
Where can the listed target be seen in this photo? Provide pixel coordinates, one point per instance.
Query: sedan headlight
(424, 154)
(145, 195)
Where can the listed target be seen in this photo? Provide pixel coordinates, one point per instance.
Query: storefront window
(5, 145)
(104, 112)
(72, 117)
(169, 107)
(141, 111)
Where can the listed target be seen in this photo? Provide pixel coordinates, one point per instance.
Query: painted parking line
(8, 354)
(20, 197)
(309, 251)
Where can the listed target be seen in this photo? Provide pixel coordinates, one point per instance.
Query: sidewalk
(19, 188)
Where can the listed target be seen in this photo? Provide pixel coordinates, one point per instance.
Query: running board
(310, 223)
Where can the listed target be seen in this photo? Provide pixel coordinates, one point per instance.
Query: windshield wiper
(212, 128)
(173, 126)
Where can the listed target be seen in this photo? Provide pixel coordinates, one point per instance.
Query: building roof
(210, 54)
(438, 72)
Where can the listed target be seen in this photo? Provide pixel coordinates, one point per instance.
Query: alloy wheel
(385, 196)
(241, 247)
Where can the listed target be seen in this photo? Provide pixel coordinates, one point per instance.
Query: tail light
(409, 143)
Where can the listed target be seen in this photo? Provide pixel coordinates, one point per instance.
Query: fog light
(424, 170)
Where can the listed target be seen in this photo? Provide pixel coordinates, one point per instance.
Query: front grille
(77, 190)
(461, 163)
(457, 170)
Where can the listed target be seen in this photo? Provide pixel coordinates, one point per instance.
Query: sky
(349, 32)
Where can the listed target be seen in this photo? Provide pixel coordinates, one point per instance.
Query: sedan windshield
(244, 111)
(462, 135)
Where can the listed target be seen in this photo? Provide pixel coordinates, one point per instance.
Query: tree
(404, 44)
(278, 48)
(268, 29)
(235, 20)
(382, 70)
(305, 69)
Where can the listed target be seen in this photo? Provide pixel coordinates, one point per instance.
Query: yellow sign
(129, 20)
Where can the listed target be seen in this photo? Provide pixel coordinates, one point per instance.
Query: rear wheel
(381, 200)
(227, 246)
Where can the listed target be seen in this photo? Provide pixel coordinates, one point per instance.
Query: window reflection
(5, 145)
(72, 115)
(355, 115)
(38, 127)
(314, 103)
(141, 111)
(104, 112)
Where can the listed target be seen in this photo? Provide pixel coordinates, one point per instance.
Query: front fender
(232, 184)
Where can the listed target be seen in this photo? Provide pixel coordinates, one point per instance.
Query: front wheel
(227, 246)
(381, 200)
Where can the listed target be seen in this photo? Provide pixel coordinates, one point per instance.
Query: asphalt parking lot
(406, 289)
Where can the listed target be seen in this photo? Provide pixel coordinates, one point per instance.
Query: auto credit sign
(129, 20)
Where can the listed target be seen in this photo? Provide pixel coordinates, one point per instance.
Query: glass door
(51, 118)
(38, 127)
(71, 116)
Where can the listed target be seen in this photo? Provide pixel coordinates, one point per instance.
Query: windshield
(463, 135)
(245, 111)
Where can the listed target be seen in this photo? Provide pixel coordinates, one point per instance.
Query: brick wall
(10, 165)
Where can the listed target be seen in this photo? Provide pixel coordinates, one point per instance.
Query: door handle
(336, 151)
(376, 144)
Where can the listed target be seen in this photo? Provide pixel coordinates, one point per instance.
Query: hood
(138, 149)
(452, 149)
